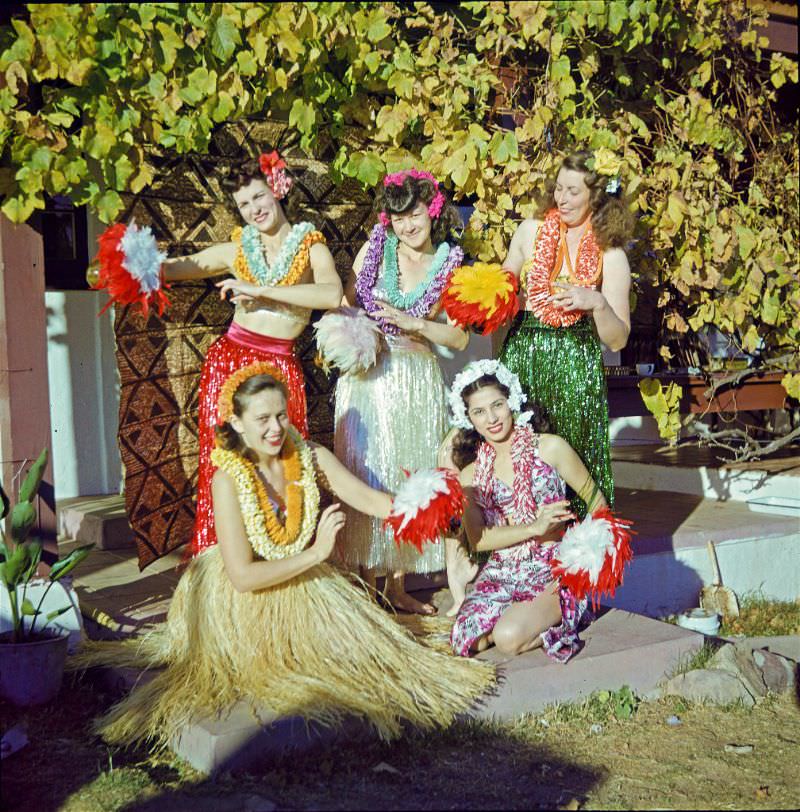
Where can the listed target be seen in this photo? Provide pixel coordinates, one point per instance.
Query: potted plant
(33, 655)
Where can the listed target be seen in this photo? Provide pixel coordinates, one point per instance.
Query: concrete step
(99, 520)
(620, 648)
(757, 552)
(691, 472)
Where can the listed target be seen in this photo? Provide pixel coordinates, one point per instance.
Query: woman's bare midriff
(267, 324)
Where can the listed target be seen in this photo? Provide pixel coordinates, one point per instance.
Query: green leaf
(23, 515)
(617, 14)
(225, 107)
(66, 565)
(108, 205)
(28, 608)
(402, 84)
(15, 566)
(168, 44)
(224, 38)
(377, 26)
(56, 613)
(366, 166)
(102, 141)
(747, 240)
(302, 116)
(559, 68)
(18, 209)
(247, 63)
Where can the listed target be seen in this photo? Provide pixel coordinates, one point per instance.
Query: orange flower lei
(541, 270)
(296, 270)
(234, 381)
(292, 471)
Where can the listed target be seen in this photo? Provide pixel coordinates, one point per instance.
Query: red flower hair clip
(274, 169)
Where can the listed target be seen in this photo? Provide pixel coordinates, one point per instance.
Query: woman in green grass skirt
(576, 278)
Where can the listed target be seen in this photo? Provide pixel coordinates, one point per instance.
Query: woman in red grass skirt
(281, 272)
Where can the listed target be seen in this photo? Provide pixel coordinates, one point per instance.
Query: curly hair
(612, 220)
(466, 442)
(395, 199)
(227, 436)
(233, 178)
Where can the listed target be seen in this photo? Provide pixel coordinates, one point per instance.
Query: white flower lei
(254, 523)
(471, 373)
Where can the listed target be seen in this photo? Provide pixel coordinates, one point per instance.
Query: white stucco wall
(84, 394)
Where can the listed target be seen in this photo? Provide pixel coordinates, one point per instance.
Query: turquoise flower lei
(400, 300)
(253, 251)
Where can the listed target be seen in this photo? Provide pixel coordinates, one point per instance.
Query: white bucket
(699, 620)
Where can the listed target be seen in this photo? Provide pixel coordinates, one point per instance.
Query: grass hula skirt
(316, 647)
(561, 369)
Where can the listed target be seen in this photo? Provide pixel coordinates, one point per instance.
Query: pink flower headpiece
(396, 179)
(274, 169)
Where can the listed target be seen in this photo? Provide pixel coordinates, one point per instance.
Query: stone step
(620, 648)
(757, 552)
(99, 520)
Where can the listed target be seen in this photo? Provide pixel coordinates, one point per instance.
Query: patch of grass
(695, 659)
(761, 617)
(600, 706)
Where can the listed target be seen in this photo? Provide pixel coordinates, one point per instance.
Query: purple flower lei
(366, 279)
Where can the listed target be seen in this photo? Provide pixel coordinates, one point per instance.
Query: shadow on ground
(472, 765)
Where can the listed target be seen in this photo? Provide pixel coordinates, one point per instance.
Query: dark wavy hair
(233, 178)
(466, 442)
(227, 436)
(395, 199)
(612, 220)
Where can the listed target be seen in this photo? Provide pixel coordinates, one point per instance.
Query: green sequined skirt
(561, 369)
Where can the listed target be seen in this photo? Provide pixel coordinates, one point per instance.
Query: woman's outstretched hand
(330, 523)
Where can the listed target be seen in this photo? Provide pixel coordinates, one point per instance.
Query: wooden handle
(712, 554)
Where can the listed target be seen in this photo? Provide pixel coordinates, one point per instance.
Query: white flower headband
(470, 374)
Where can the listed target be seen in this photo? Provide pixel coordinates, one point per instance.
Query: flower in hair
(233, 382)
(613, 185)
(396, 179)
(274, 169)
(471, 373)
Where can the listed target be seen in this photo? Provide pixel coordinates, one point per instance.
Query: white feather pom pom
(591, 557)
(142, 257)
(347, 338)
(424, 506)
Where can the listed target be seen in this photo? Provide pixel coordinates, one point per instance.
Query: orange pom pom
(482, 296)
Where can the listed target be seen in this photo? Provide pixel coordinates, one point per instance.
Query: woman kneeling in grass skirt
(261, 617)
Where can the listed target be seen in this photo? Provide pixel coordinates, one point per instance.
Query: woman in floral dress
(515, 480)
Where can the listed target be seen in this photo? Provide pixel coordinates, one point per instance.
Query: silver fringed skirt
(392, 417)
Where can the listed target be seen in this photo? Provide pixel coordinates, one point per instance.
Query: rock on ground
(709, 685)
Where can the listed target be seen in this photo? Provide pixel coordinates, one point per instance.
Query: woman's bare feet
(460, 571)
(395, 593)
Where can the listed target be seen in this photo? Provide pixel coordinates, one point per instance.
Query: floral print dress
(518, 573)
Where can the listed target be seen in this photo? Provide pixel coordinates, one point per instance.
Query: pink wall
(24, 392)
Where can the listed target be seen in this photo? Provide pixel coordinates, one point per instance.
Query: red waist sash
(259, 341)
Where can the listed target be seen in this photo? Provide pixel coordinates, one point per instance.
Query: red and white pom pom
(482, 296)
(347, 338)
(130, 267)
(424, 506)
(592, 555)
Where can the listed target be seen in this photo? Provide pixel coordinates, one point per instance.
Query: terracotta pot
(32, 672)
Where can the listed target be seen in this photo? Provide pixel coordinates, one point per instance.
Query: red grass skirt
(232, 351)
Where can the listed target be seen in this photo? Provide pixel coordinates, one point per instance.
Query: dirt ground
(556, 759)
